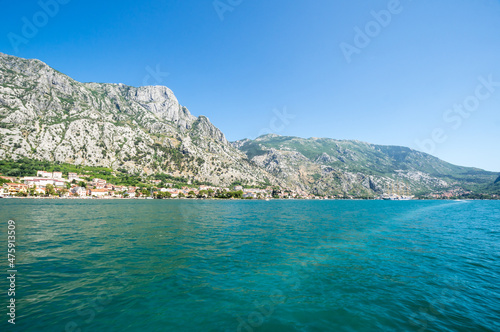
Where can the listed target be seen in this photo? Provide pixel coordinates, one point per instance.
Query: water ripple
(256, 266)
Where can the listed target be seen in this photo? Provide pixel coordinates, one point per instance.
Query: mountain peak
(47, 115)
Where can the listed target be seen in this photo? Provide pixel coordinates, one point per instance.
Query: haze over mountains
(46, 115)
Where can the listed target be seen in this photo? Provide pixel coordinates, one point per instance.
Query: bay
(182, 265)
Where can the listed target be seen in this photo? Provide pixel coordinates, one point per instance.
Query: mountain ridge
(376, 167)
(46, 115)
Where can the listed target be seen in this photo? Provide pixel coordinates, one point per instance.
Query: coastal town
(54, 185)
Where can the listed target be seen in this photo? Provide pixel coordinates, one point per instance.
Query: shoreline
(234, 199)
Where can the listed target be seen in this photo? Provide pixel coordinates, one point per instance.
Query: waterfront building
(98, 192)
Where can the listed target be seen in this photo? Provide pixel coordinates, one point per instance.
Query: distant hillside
(493, 188)
(328, 166)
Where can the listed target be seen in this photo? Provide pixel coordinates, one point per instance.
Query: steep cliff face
(46, 115)
(328, 166)
(294, 170)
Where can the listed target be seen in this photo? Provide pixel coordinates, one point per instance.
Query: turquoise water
(87, 265)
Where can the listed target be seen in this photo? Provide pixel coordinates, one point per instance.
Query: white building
(73, 176)
(98, 192)
(98, 183)
(79, 191)
(42, 182)
(44, 174)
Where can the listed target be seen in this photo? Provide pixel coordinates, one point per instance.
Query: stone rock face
(46, 115)
(325, 158)
(332, 167)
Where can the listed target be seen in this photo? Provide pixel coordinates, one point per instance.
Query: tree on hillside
(202, 193)
(237, 194)
(145, 192)
(49, 190)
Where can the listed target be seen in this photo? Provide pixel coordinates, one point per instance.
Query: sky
(423, 74)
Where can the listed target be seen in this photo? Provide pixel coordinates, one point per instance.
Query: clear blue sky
(266, 56)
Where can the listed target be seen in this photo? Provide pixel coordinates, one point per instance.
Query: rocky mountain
(46, 115)
(337, 167)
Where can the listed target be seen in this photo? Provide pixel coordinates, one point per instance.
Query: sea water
(186, 265)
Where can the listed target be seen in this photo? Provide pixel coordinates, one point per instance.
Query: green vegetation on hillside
(29, 167)
(370, 159)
